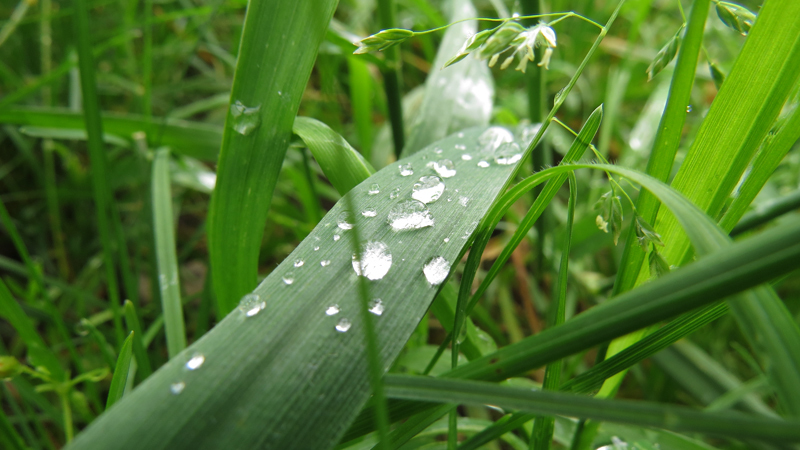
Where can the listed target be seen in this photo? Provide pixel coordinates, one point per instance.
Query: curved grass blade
(278, 47)
(120, 372)
(163, 230)
(279, 370)
(458, 96)
(341, 163)
(638, 413)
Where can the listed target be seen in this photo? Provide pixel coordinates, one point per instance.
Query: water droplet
(336, 237)
(332, 310)
(245, 119)
(374, 189)
(177, 388)
(406, 169)
(466, 157)
(689, 108)
(445, 168)
(369, 212)
(251, 304)
(493, 138)
(508, 153)
(343, 325)
(394, 194)
(376, 307)
(461, 147)
(344, 221)
(438, 151)
(436, 270)
(299, 263)
(288, 278)
(325, 263)
(410, 215)
(483, 164)
(446, 240)
(375, 260)
(316, 249)
(460, 134)
(195, 362)
(463, 201)
(428, 189)
(527, 134)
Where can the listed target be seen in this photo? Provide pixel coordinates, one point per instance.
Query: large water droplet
(493, 138)
(245, 119)
(507, 154)
(288, 278)
(343, 325)
(483, 164)
(195, 362)
(436, 270)
(466, 157)
(428, 189)
(325, 263)
(299, 263)
(376, 306)
(177, 388)
(344, 221)
(410, 215)
(395, 193)
(332, 310)
(527, 134)
(251, 304)
(445, 168)
(406, 169)
(369, 212)
(374, 262)
(374, 189)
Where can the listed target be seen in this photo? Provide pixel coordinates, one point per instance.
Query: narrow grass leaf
(341, 163)
(164, 231)
(638, 413)
(120, 376)
(283, 36)
(132, 322)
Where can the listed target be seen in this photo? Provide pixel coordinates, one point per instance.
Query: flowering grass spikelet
(382, 40)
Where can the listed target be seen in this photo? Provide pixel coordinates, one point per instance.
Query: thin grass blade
(120, 377)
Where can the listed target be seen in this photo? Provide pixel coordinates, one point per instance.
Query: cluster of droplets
(195, 362)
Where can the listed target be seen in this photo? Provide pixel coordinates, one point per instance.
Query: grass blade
(263, 108)
(120, 372)
(163, 229)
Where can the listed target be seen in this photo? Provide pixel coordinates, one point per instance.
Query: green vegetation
(492, 224)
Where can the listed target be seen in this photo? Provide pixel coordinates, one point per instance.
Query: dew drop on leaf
(507, 154)
(466, 157)
(343, 325)
(376, 306)
(369, 212)
(251, 304)
(374, 189)
(332, 310)
(299, 263)
(410, 215)
(343, 221)
(325, 262)
(374, 260)
(493, 138)
(428, 189)
(406, 169)
(177, 388)
(245, 119)
(288, 279)
(436, 270)
(445, 168)
(195, 362)
(483, 164)
(394, 194)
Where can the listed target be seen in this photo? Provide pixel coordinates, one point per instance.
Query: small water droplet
(507, 154)
(445, 168)
(195, 362)
(460, 134)
(410, 215)
(245, 119)
(446, 240)
(316, 249)
(463, 201)
(376, 306)
(177, 388)
(251, 304)
(428, 189)
(483, 164)
(689, 108)
(374, 261)
(374, 189)
(288, 279)
(343, 325)
(369, 212)
(493, 138)
(438, 151)
(332, 310)
(336, 237)
(299, 263)
(466, 157)
(436, 270)
(394, 194)
(527, 134)
(461, 147)
(344, 221)
(406, 169)
(325, 263)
